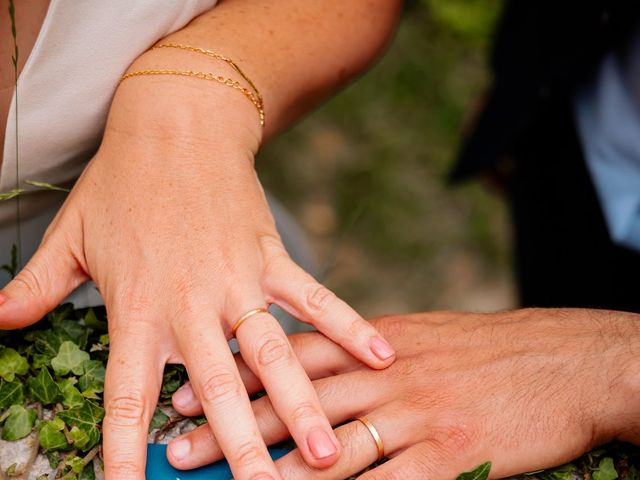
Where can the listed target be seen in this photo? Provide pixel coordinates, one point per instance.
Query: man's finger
(47, 279)
(359, 448)
(342, 397)
(131, 394)
(424, 460)
(319, 356)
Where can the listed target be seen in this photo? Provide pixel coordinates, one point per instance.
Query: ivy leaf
(51, 437)
(71, 396)
(80, 437)
(91, 321)
(93, 378)
(69, 359)
(54, 459)
(43, 388)
(12, 364)
(479, 473)
(88, 473)
(606, 470)
(11, 393)
(40, 360)
(19, 423)
(159, 419)
(75, 463)
(49, 341)
(87, 417)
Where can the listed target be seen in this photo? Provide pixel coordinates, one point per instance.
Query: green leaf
(159, 419)
(51, 437)
(481, 472)
(46, 186)
(606, 470)
(564, 472)
(88, 473)
(104, 339)
(40, 360)
(43, 388)
(94, 373)
(54, 459)
(12, 364)
(80, 437)
(49, 341)
(87, 417)
(76, 463)
(19, 423)
(69, 359)
(71, 396)
(11, 393)
(91, 321)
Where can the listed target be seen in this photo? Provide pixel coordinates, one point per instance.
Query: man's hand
(526, 390)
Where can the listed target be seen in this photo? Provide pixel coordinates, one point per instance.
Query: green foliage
(19, 422)
(12, 364)
(11, 393)
(481, 472)
(43, 387)
(606, 470)
(69, 359)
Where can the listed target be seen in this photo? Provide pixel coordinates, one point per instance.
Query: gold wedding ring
(374, 433)
(246, 316)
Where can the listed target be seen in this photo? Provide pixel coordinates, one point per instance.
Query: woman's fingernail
(183, 396)
(381, 348)
(180, 448)
(321, 445)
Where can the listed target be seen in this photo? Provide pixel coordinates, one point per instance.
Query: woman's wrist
(181, 109)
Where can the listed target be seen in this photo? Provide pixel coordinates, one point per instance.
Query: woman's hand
(525, 390)
(170, 221)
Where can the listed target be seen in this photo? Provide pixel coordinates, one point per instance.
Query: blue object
(608, 121)
(158, 468)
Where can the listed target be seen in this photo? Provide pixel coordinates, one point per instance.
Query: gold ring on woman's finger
(246, 316)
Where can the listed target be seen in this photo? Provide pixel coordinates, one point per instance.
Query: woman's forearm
(296, 52)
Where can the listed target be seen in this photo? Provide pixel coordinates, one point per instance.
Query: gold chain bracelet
(215, 55)
(256, 100)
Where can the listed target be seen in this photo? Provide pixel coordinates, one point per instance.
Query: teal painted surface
(158, 467)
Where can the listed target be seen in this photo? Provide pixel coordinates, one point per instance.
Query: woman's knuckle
(219, 386)
(125, 469)
(273, 350)
(248, 454)
(126, 410)
(304, 411)
(319, 298)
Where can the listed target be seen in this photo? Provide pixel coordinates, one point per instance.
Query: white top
(65, 91)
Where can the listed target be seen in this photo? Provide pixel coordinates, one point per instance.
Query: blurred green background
(366, 174)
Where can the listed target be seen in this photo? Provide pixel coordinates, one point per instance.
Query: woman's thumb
(47, 279)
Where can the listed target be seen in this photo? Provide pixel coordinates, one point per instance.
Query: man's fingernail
(180, 448)
(321, 445)
(381, 348)
(183, 396)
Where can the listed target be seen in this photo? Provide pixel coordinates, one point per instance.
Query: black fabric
(525, 137)
(544, 50)
(564, 255)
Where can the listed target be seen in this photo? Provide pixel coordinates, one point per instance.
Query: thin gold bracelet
(253, 98)
(215, 55)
